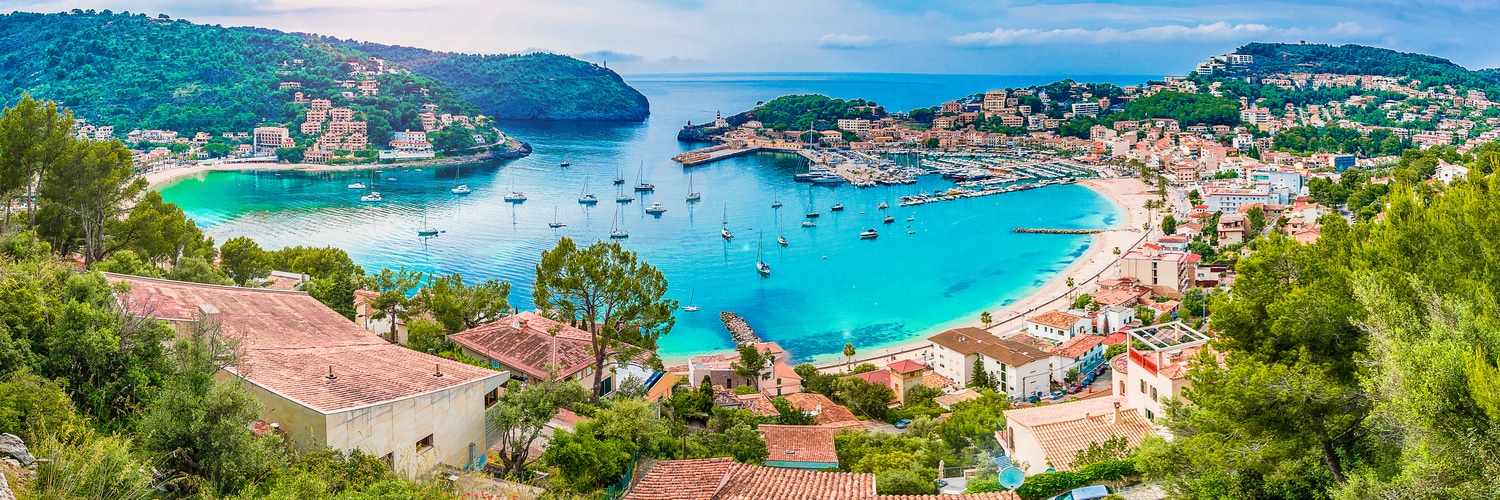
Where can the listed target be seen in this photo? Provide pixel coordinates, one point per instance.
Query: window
(424, 444)
(1143, 386)
(1153, 393)
(1150, 416)
(1122, 387)
(492, 397)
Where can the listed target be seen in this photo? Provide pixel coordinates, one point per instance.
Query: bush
(29, 403)
(864, 368)
(984, 486)
(745, 389)
(1049, 484)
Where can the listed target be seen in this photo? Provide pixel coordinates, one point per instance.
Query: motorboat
(357, 185)
(888, 219)
(882, 206)
(868, 234)
(776, 204)
(912, 218)
(373, 196)
(462, 189)
(564, 164)
(808, 223)
(655, 209)
(813, 214)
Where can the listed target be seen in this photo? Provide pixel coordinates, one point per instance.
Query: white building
(1057, 326)
(1020, 370)
(1147, 378)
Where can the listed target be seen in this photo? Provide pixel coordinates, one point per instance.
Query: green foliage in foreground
(1048, 484)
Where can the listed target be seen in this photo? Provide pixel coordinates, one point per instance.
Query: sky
(1022, 37)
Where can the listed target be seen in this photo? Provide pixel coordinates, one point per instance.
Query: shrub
(1049, 484)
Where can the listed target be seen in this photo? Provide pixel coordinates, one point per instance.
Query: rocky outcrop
(13, 450)
(739, 330)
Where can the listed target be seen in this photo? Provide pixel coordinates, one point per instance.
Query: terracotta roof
(1046, 414)
(799, 443)
(948, 400)
(724, 479)
(1032, 340)
(969, 340)
(828, 412)
(291, 340)
(1077, 346)
(906, 366)
(525, 342)
(683, 480)
(933, 379)
(881, 377)
(1074, 426)
(1055, 319)
(1116, 337)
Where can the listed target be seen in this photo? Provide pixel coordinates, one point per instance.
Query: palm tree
(984, 317)
(848, 355)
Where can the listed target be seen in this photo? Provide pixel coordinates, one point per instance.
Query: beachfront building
(1021, 370)
(532, 347)
(1166, 272)
(900, 377)
(325, 381)
(269, 139)
(1050, 436)
(1148, 377)
(1057, 326)
(778, 378)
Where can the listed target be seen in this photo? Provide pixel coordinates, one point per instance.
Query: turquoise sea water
(826, 288)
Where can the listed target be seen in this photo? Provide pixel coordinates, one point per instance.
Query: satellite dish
(1011, 478)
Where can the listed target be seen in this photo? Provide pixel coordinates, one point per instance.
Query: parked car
(1055, 395)
(903, 423)
(1034, 399)
(1085, 493)
(1073, 389)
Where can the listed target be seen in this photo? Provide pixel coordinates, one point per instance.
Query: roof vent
(331, 376)
(437, 369)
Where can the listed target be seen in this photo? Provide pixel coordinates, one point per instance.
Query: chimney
(437, 369)
(331, 376)
(1117, 411)
(208, 316)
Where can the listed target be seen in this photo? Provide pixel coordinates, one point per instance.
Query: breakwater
(1055, 231)
(739, 330)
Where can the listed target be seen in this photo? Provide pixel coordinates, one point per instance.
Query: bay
(826, 288)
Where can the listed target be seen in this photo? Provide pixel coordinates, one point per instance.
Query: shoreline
(1098, 261)
(158, 179)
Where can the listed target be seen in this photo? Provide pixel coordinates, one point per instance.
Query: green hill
(134, 71)
(1363, 60)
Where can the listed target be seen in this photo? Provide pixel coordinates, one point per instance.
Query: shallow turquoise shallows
(826, 288)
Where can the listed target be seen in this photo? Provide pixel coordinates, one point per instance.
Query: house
(364, 315)
(1050, 436)
(725, 479)
(1020, 370)
(328, 382)
(799, 446)
(1147, 377)
(778, 378)
(905, 375)
(534, 347)
(947, 401)
(1084, 352)
(1233, 228)
(1166, 272)
(824, 411)
(1057, 326)
(1448, 172)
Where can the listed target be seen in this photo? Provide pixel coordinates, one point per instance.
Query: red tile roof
(799, 443)
(1055, 319)
(1061, 430)
(906, 366)
(1115, 338)
(724, 479)
(828, 412)
(291, 341)
(1077, 346)
(526, 343)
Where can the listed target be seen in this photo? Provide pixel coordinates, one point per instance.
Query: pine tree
(980, 379)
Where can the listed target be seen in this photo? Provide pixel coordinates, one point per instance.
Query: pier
(1056, 231)
(739, 330)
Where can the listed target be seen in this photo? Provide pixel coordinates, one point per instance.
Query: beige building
(1046, 436)
(1166, 272)
(779, 378)
(532, 347)
(327, 382)
(1148, 377)
(272, 138)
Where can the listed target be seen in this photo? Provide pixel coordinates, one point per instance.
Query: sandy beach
(158, 179)
(1129, 194)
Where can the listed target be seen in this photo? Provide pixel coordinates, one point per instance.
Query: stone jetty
(739, 330)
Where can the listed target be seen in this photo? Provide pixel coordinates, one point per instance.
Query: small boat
(888, 219)
(357, 185)
(624, 198)
(378, 170)
(619, 180)
(656, 209)
(724, 226)
(692, 195)
(555, 224)
(914, 231)
(690, 307)
(868, 234)
(373, 196)
(882, 206)
(912, 218)
(837, 208)
(776, 204)
(564, 164)
(760, 261)
(813, 214)
(515, 197)
(462, 189)
(390, 178)
(616, 233)
(640, 180)
(781, 240)
(588, 199)
(427, 231)
(419, 170)
(808, 223)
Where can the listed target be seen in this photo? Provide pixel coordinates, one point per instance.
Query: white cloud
(844, 41)
(1173, 32)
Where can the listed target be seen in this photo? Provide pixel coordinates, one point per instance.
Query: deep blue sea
(828, 287)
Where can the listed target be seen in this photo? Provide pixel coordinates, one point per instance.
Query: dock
(1056, 231)
(704, 156)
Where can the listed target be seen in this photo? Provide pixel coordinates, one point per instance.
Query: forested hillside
(1362, 60)
(135, 71)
